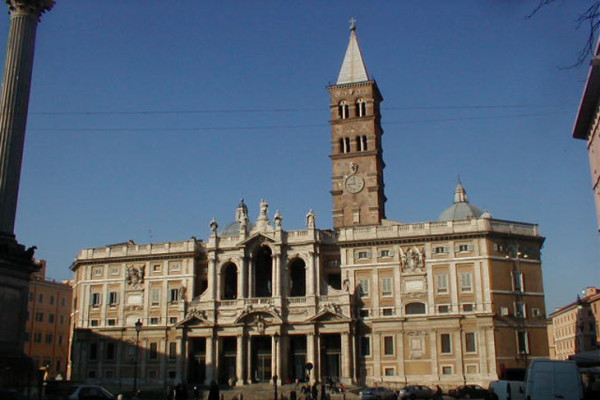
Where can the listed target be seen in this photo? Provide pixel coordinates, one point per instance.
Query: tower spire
(353, 68)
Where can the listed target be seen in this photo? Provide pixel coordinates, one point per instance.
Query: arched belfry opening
(297, 278)
(230, 282)
(263, 272)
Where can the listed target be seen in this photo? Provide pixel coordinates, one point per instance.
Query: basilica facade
(370, 301)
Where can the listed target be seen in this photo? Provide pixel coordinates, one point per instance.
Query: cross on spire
(352, 23)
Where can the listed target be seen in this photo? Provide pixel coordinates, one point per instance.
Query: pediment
(328, 316)
(194, 319)
(257, 238)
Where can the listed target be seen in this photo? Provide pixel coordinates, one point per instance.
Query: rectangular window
(172, 320)
(470, 342)
(388, 345)
(51, 300)
(174, 295)
(41, 298)
(364, 313)
(363, 287)
(39, 316)
(155, 296)
(63, 302)
(154, 321)
(466, 282)
(447, 370)
(389, 371)
(59, 341)
(520, 309)
(156, 268)
(110, 351)
(386, 286)
(446, 343)
(112, 322)
(468, 307)
(385, 253)
(62, 320)
(444, 309)
(362, 255)
(93, 351)
(522, 342)
(94, 322)
(175, 267)
(388, 312)
(115, 271)
(51, 318)
(365, 346)
(98, 271)
(37, 337)
(172, 350)
(95, 299)
(518, 281)
(30, 296)
(440, 250)
(153, 351)
(113, 298)
(442, 283)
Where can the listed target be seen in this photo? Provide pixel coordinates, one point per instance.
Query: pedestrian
(323, 394)
(181, 393)
(315, 391)
(196, 392)
(293, 395)
(438, 392)
(213, 391)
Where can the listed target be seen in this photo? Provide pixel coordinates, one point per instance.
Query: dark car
(416, 392)
(10, 395)
(377, 393)
(469, 392)
(89, 392)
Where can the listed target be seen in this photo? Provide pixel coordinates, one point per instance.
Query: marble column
(346, 358)
(239, 360)
(16, 264)
(210, 360)
(249, 370)
(14, 103)
(311, 355)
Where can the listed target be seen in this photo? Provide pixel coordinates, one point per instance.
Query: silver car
(377, 393)
(416, 392)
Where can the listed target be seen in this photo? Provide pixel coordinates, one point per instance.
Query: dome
(233, 229)
(461, 209)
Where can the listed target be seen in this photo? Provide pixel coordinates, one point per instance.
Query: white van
(553, 379)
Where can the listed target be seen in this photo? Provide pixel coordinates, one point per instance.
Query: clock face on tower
(354, 184)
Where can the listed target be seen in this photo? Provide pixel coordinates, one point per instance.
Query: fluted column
(14, 103)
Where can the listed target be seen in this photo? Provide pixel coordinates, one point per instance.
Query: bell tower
(356, 155)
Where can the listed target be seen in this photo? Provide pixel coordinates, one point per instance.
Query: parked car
(416, 392)
(469, 392)
(89, 392)
(507, 390)
(6, 394)
(377, 393)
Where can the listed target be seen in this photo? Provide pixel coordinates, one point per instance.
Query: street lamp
(138, 328)
(275, 339)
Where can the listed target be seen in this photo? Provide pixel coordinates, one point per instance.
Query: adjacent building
(47, 329)
(444, 302)
(575, 327)
(586, 125)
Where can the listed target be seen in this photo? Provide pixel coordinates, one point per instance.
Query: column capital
(36, 7)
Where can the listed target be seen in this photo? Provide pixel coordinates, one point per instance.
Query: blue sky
(148, 119)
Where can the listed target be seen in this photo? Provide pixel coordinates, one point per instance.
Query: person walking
(213, 391)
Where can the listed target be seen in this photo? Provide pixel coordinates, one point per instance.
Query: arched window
(361, 108)
(414, 308)
(297, 278)
(343, 109)
(263, 272)
(230, 281)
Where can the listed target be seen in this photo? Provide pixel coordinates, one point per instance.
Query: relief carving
(135, 275)
(412, 259)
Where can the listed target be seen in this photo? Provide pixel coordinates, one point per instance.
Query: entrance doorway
(198, 360)
(261, 359)
(297, 357)
(228, 359)
(331, 356)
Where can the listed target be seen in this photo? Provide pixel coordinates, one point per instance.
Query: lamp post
(275, 339)
(138, 328)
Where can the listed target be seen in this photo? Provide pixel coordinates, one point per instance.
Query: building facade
(575, 327)
(370, 301)
(586, 125)
(48, 325)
